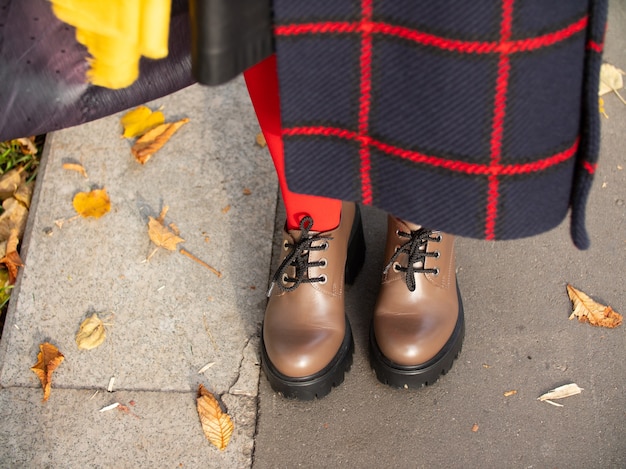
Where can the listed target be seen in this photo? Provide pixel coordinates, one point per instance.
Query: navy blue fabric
(455, 128)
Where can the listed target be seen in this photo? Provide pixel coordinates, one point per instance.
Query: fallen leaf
(510, 393)
(610, 79)
(150, 142)
(601, 108)
(15, 215)
(48, 359)
(11, 259)
(260, 140)
(140, 120)
(28, 145)
(92, 204)
(475, 427)
(561, 392)
(587, 310)
(91, 333)
(217, 425)
(79, 168)
(247, 191)
(162, 235)
(9, 182)
(226, 209)
(24, 193)
(184, 252)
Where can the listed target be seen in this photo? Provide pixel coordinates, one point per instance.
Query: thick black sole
(399, 376)
(321, 383)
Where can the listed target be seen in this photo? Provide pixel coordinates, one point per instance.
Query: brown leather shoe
(418, 324)
(307, 342)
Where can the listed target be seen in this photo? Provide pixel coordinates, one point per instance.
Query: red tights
(262, 82)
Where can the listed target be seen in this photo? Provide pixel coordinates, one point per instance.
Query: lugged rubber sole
(399, 376)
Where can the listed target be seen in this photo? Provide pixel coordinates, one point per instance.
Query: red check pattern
(503, 48)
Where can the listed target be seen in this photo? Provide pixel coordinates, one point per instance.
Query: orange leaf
(217, 425)
(587, 310)
(12, 259)
(162, 235)
(79, 168)
(92, 204)
(152, 141)
(48, 359)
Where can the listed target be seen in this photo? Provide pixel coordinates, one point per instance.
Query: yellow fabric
(117, 33)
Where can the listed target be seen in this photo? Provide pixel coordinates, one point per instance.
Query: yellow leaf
(24, 193)
(162, 235)
(76, 167)
(140, 120)
(9, 182)
(260, 140)
(587, 310)
(150, 142)
(92, 204)
(48, 359)
(91, 333)
(15, 215)
(28, 145)
(610, 79)
(217, 425)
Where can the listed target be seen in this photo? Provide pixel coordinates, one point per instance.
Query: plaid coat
(477, 118)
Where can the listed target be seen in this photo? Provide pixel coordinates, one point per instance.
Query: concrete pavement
(170, 317)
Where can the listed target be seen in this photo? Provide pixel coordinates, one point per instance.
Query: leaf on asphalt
(162, 235)
(10, 181)
(91, 333)
(140, 120)
(561, 392)
(588, 310)
(48, 359)
(12, 259)
(79, 168)
(92, 204)
(611, 79)
(150, 142)
(217, 425)
(15, 215)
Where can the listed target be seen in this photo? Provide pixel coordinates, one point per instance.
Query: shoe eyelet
(396, 249)
(323, 263)
(285, 278)
(324, 246)
(396, 267)
(439, 238)
(286, 245)
(436, 272)
(437, 254)
(324, 279)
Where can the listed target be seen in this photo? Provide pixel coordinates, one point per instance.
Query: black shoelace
(415, 249)
(298, 257)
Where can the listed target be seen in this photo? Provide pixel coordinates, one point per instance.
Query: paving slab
(168, 317)
(518, 338)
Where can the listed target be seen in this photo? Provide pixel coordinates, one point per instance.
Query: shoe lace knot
(298, 257)
(416, 254)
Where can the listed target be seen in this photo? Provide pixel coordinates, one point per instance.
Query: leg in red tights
(262, 82)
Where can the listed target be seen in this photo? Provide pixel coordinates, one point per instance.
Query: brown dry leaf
(91, 333)
(140, 120)
(260, 140)
(217, 425)
(475, 427)
(12, 259)
(24, 193)
(15, 215)
(150, 142)
(10, 181)
(162, 235)
(92, 204)
(510, 393)
(587, 310)
(28, 145)
(48, 359)
(79, 168)
(226, 209)
(246, 191)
